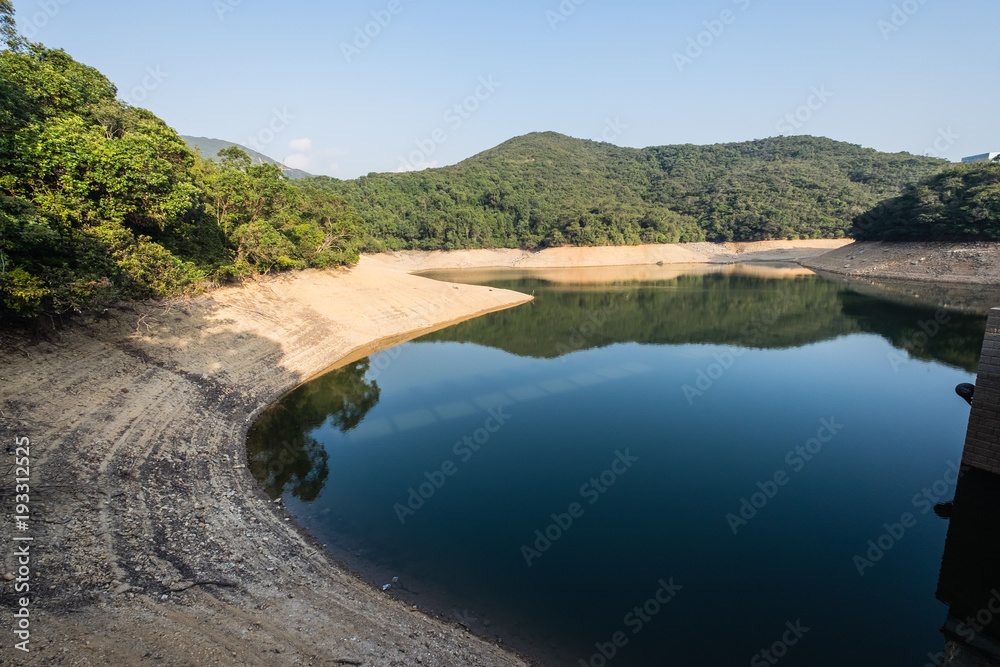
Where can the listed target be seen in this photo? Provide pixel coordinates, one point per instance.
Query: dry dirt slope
(139, 487)
(971, 263)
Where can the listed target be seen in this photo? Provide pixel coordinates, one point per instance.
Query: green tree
(8, 27)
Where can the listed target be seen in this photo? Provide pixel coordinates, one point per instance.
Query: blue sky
(296, 81)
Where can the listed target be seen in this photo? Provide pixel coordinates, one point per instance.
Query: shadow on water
(283, 455)
(970, 575)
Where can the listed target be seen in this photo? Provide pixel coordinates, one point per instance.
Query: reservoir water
(651, 466)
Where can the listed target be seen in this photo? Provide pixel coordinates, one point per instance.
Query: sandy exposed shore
(969, 263)
(571, 257)
(137, 424)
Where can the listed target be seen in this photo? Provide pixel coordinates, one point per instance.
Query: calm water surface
(672, 467)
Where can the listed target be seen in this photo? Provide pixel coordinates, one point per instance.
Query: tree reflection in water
(282, 453)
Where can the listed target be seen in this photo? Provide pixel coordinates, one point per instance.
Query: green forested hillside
(960, 204)
(101, 201)
(546, 189)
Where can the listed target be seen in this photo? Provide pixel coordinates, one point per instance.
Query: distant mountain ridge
(209, 149)
(547, 189)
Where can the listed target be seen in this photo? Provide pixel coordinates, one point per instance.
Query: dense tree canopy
(546, 189)
(101, 201)
(960, 204)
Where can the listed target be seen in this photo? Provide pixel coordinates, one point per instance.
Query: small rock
(8, 577)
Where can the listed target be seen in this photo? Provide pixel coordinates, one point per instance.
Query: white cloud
(420, 166)
(298, 161)
(300, 145)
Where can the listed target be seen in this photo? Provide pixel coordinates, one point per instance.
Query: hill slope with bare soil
(972, 263)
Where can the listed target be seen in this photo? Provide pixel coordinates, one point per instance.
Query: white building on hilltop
(985, 157)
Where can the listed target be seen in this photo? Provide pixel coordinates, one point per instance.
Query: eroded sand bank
(968, 263)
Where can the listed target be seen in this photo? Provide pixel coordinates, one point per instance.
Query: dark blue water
(681, 471)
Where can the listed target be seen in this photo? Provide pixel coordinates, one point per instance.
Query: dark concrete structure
(982, 443)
